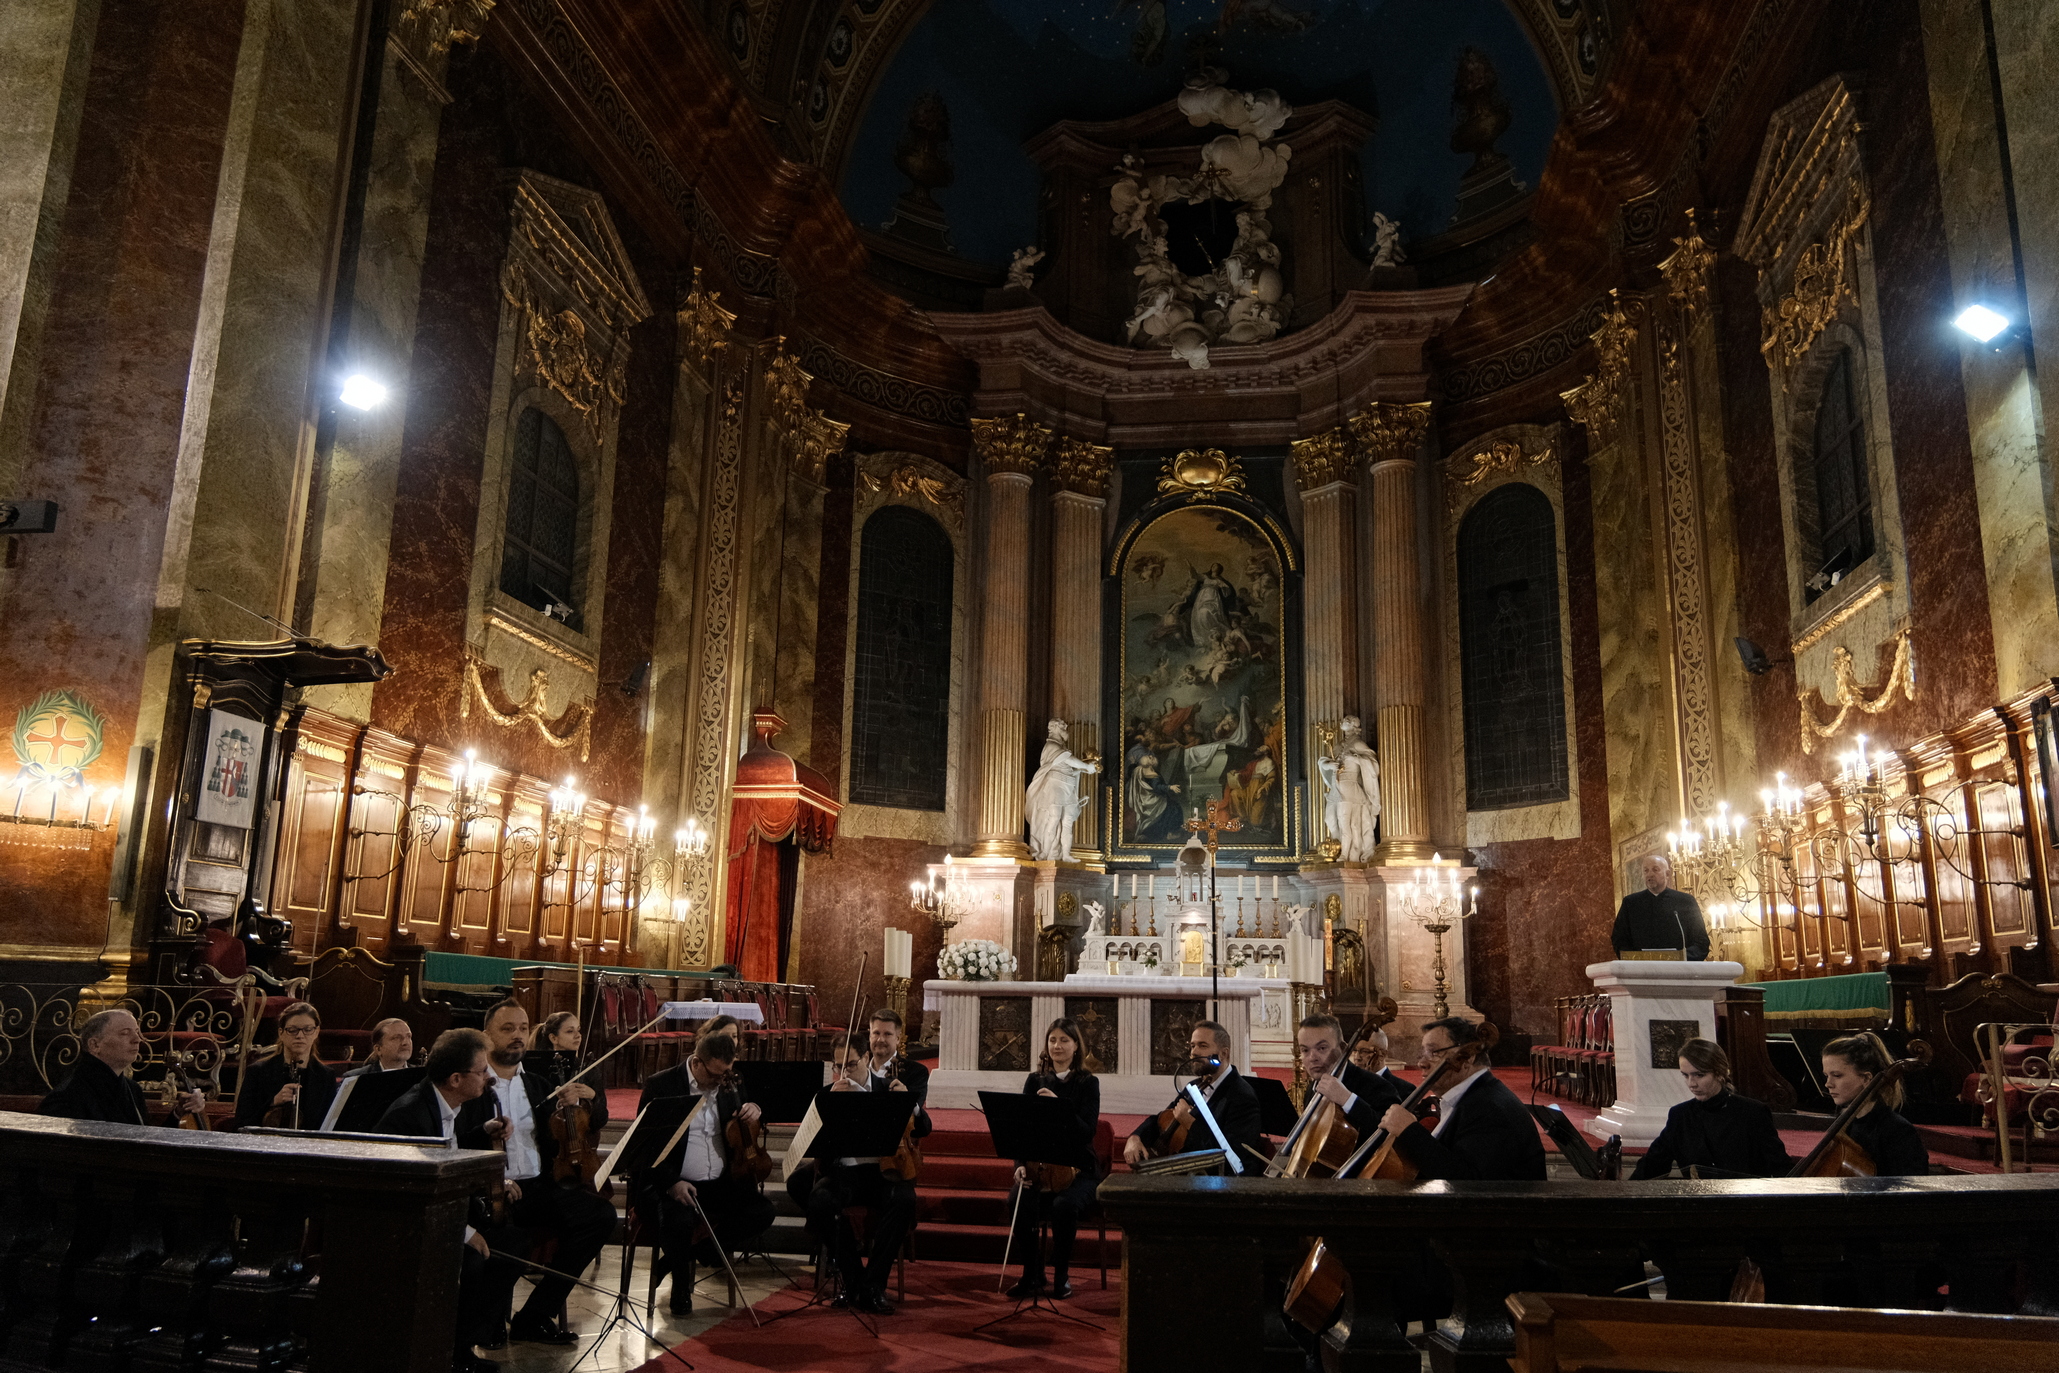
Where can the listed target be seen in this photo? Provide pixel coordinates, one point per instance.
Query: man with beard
(580, 1219)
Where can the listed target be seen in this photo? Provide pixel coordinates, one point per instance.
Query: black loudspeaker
(632, 685)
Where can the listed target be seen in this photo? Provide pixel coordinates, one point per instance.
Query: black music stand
(782, 1091)
(1276, 1113)
(370, 1094)
(1033, 1129)
(859, 1125)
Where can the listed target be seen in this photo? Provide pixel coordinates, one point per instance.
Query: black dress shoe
(681, 1304)
(843, 1301)
(1061, 1288)
(875, 1304)
(1025, 1287)
(465, 1361)
(540, 1332)
(496, 1338)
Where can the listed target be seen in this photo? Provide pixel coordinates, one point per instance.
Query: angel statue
(1022, 265)
(1351, 793)
(1095, 910)
(1054, 800)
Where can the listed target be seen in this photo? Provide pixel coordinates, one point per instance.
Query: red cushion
(222, 951)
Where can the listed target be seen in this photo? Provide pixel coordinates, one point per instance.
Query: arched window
(1511, 670)
(901, 711)
(542, 536)
(1836, 493)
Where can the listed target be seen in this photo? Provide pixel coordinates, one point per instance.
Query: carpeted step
(985, 1244)
(970, 1143)
(964, 1206)
(993, 1174)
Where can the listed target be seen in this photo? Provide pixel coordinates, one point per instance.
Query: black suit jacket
(916, 1075)
(262, 1083)
(1488, 1137)
(1732, 1134)
(1646, 921)
(1235, 1107)
(95, 1091)
(651, 1175)
(1082, 1092)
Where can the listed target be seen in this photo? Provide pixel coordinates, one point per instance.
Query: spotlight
(1980, 323)
(361, 392)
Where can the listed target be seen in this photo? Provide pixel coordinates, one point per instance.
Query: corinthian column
(1329, 647)
(1391, 435)
(1010, 449)
(1080, 479)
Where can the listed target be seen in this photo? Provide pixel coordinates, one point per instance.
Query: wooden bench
(1558, 1333)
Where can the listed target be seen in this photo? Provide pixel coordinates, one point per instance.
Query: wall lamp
(1982, 324)
(362, 392)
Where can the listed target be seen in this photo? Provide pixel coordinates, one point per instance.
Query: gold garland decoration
(560, 733)
(1851, 696)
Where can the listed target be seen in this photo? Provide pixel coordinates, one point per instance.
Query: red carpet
(929, 1332)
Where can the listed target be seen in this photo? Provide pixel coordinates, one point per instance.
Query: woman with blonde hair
(1849, 1064)
(1715, 1133)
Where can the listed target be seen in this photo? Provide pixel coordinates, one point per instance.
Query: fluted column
(1323, 469)
(1010, 449)
(1391, 435)
(1080, 481)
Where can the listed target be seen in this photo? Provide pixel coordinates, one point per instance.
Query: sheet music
(607, 1171)
(1201, 1108)
(811, 1126)
(336, 1107)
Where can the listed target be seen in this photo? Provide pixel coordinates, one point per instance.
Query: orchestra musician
(99, 1087)
(450, 1101)
(1848, 1065)
(1715, 1129)
(1483, 1132)
(581, 1219)
(848, 1182)
(1230, 1099)
(1369, 1052)
(292, 1089)
(1361, 1095)
(802, 1174)
(393, 1048)
(699, 1168)
(1062, 1073)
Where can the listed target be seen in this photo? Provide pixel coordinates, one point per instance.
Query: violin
(1837, 1154)
(286, 1115)
(748, 1156)
(1322, 1140)
(906, 1163)
(1322, 1283)
(499, 1194)
(177, 1084)
(1172, 1131)
(571, 1129)
(1050, 1177)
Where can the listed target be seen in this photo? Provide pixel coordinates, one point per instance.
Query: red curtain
(766, 837)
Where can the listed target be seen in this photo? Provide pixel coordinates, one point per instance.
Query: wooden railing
(1231, 1244)
(136, 1248)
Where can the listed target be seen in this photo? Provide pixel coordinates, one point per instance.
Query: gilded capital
(1386, 430)
(1687, 271)
(1012, 443)
(703, 324)
(786, 388)
(1321, 460)
(1599, 402)
(821, 438)
(434, 25)
(1082, 467)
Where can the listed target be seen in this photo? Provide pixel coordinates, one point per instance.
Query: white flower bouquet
(975, 960)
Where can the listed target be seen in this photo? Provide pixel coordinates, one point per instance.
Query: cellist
(1483, 1132)
(1849, 1064)
(1061, 1072)
(1363, 1096)
(695, 1178)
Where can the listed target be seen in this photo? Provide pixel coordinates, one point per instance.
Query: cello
(1322, 1282)
(1322, 1140)
(1837, 1154)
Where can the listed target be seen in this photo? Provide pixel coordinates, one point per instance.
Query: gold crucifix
(1220, 819)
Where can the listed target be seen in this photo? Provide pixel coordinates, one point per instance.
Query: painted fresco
(1203, 708)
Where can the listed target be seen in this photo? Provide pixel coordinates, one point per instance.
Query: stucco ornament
(1243, 298)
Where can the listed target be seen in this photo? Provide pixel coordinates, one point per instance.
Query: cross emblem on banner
(1220, 819)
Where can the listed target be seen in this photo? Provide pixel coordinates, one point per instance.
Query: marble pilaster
(1080, 476)
(1011, 450)
(1391, 436)
(1323, 469)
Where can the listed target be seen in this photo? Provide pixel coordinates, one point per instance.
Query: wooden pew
(1559, 1333)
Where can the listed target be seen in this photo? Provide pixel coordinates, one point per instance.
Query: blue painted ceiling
(1008, 69)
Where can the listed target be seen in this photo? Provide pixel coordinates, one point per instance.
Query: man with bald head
(1660, 918)
(99, 1087)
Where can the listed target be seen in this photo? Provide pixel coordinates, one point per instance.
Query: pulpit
(1655, 1007)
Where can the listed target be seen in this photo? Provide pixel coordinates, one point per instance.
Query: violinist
(844, 1057)
(1849, 1064)
(699, 1168)
(450, 1101)
(579, 1218)
(1230, 1099)
(292, 1089)
(851, 1182)
(1370, 1054)
(1362, 1096)
(1483, 1132)
(99, 1087)
(1715, 1131)
(393, 1048)
(1061, 1072)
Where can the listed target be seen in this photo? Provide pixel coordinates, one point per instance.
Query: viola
(1837, 1154)
(286, 1115)
(748, 1156)
(571, 1129)
(1322, 1282)
(1050, 1177)
(176, 1084)
(499, 1194)
(1172, 1131)
(906, 1163)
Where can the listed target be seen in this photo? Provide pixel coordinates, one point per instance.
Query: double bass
(1322, 1282)
(1837, 1154)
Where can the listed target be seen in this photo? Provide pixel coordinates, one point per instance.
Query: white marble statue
(1351, 793)
(1387, 249)
(1022, 266)
(1054, 800)
(1095, 911)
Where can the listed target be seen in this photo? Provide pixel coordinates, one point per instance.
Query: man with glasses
(291, 1089)
(449, 1102)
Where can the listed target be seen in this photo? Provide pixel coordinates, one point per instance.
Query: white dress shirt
(450, 1135)
(525, 1161)
(1448, 1105)
(701, 1160)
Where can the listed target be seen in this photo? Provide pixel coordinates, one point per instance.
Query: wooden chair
(1556, 1333)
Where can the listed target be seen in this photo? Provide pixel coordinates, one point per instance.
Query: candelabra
(59, 827)
(1438, 906)
(943, 898)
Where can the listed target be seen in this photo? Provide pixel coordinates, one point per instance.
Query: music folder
(1276, 1113)
(361, 1100)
